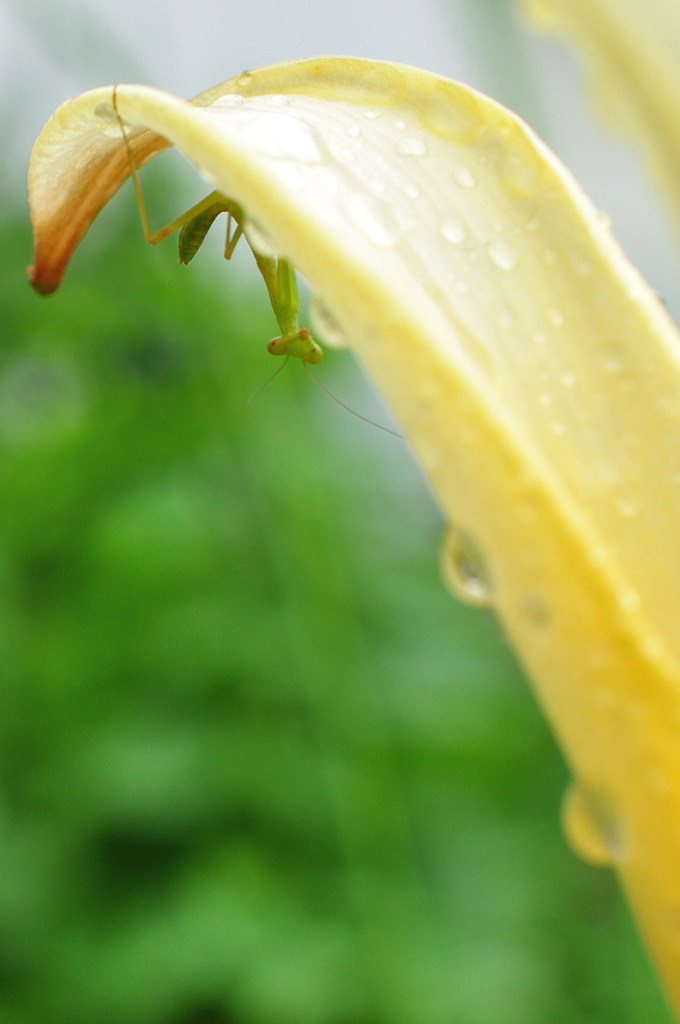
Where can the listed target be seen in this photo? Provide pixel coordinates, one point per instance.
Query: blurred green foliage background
(257, 766)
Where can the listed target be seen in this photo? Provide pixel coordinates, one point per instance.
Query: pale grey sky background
(50, 51)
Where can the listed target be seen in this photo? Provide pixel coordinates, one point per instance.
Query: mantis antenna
(279, 275)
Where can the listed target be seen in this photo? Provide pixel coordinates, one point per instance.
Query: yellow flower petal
(631, 50)
(533, 371)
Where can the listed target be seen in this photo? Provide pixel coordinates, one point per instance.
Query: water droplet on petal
(453, 229)
(280, 136)
(451, 112)
(519, 169)
(592, 826)
(411, 190)
(629, 600)
(628, 502)
(613, 359)
(463, 569)
(325, 324)
(410, 146)
(555, 316)
(463, 177)
(277, 100)
(231, 100)
(354, 131)
(501, 254)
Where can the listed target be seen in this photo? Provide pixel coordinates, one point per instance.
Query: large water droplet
(463, 569)
(272, 134)
(453, 229)
(501, 254)
(451, 112)
(520, 170)
(230, 100)
(325, 325)
(592, 826)
(410, 146)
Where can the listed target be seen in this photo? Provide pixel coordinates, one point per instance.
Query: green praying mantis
(279, 275)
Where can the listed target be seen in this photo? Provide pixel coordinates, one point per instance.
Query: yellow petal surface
(631, 51)
(533, 371)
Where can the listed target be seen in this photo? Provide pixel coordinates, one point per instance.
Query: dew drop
(278, 100)
(463, 569)
(628, 502)
(613, 359)
(451, 112)
(400, 125)
(354, 131)
(453, 230)
(259, 238)
(282, 136)
(463, 177)
(325, 325)
(411, 191)
(554, 316)
(371, 115)
(230, 100)
(628, 600)
(540, 338)
(410, 146)
(520, 172)
(501, 254)
(592, 826)
(568, 379)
